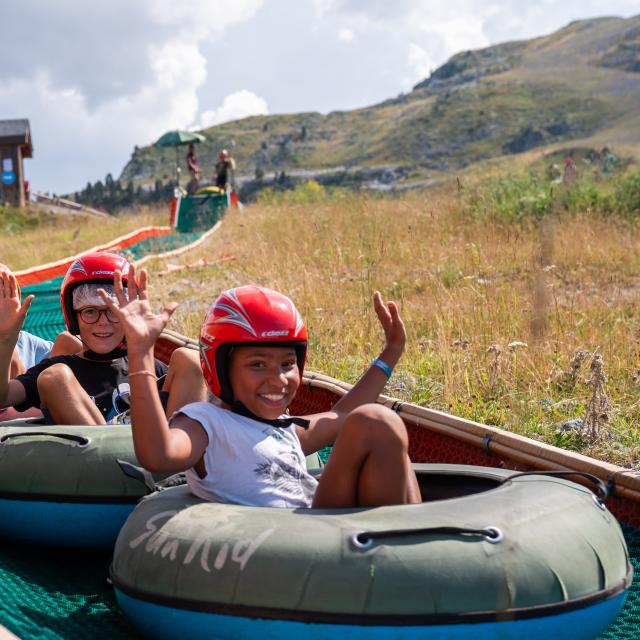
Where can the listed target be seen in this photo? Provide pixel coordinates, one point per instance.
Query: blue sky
(97, 78)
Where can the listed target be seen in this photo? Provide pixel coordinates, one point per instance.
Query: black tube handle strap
(146, 478)
(364, 539)
(81, 440)
(137, 473)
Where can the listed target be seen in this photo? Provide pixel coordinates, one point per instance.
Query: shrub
(309, 192)
(14, 220)
(512, 198)
(517, 197)
(627, 194)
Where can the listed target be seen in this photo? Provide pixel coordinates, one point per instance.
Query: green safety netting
(200, 211)
(196, 215)
(52, 594)
(160, 244)
(45, 315)
(627, 624)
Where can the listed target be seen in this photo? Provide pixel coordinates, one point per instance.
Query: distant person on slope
(92, 386)
(193, 168)
(224, 170)
(570, 170)
(609, 160)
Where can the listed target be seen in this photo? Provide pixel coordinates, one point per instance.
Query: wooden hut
(15, 145)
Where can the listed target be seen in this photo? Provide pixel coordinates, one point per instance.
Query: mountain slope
(580, 82)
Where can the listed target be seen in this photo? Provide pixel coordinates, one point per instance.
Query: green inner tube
(486, 542)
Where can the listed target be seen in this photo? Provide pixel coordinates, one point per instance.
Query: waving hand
(12, 313)
(392, 325)
(141, 326)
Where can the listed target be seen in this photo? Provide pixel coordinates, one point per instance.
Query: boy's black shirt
(99, 379)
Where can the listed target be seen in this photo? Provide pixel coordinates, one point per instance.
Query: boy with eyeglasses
(92, 386)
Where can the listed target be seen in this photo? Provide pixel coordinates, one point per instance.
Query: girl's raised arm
(158, 447)
(324, 427)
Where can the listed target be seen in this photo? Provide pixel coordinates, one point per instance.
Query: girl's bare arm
(158, 446)
(324, 427)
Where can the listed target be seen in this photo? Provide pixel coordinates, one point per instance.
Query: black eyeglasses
(91, 315)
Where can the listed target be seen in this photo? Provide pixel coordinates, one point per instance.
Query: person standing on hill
(224, 170)
(570, 170)
(194, 169)
(609, 160)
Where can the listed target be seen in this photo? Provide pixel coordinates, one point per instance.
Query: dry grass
(526, 326)
(56, 236)
(495, 313)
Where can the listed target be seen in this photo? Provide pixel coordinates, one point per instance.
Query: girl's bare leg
(369, 464)
(67, 402)
(184, 380)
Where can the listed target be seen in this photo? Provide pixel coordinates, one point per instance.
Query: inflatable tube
(210, 189)
(63, 485)
(490, 553)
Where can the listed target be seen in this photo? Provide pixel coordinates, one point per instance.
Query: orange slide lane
(34, 275)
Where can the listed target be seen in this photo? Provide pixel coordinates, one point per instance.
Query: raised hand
(394, 331)
(12, 313)
(141, 326)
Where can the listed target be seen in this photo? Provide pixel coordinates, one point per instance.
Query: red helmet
(247, 315)
(93, 268)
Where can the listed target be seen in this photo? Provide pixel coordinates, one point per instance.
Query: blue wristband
(382, 365)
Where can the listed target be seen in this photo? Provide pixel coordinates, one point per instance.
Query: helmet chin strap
(114, 354)
(280, 423)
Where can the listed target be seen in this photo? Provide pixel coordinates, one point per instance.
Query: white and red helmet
(247, 315)
(93, 268)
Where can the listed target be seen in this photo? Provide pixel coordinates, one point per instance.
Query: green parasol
(177, 138)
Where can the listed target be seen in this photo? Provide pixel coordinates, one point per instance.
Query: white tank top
(249, 462)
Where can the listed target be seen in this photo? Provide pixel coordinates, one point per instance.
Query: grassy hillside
(506, 314)
(515, 292)
(30, 237)
(580, 83)
(520, 294)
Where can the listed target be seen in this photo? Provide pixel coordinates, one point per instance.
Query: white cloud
(346, 35)
(457, 33)
(203, 17)
(239, 104)
(141, 71)
(420, 61)
(176, 65)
